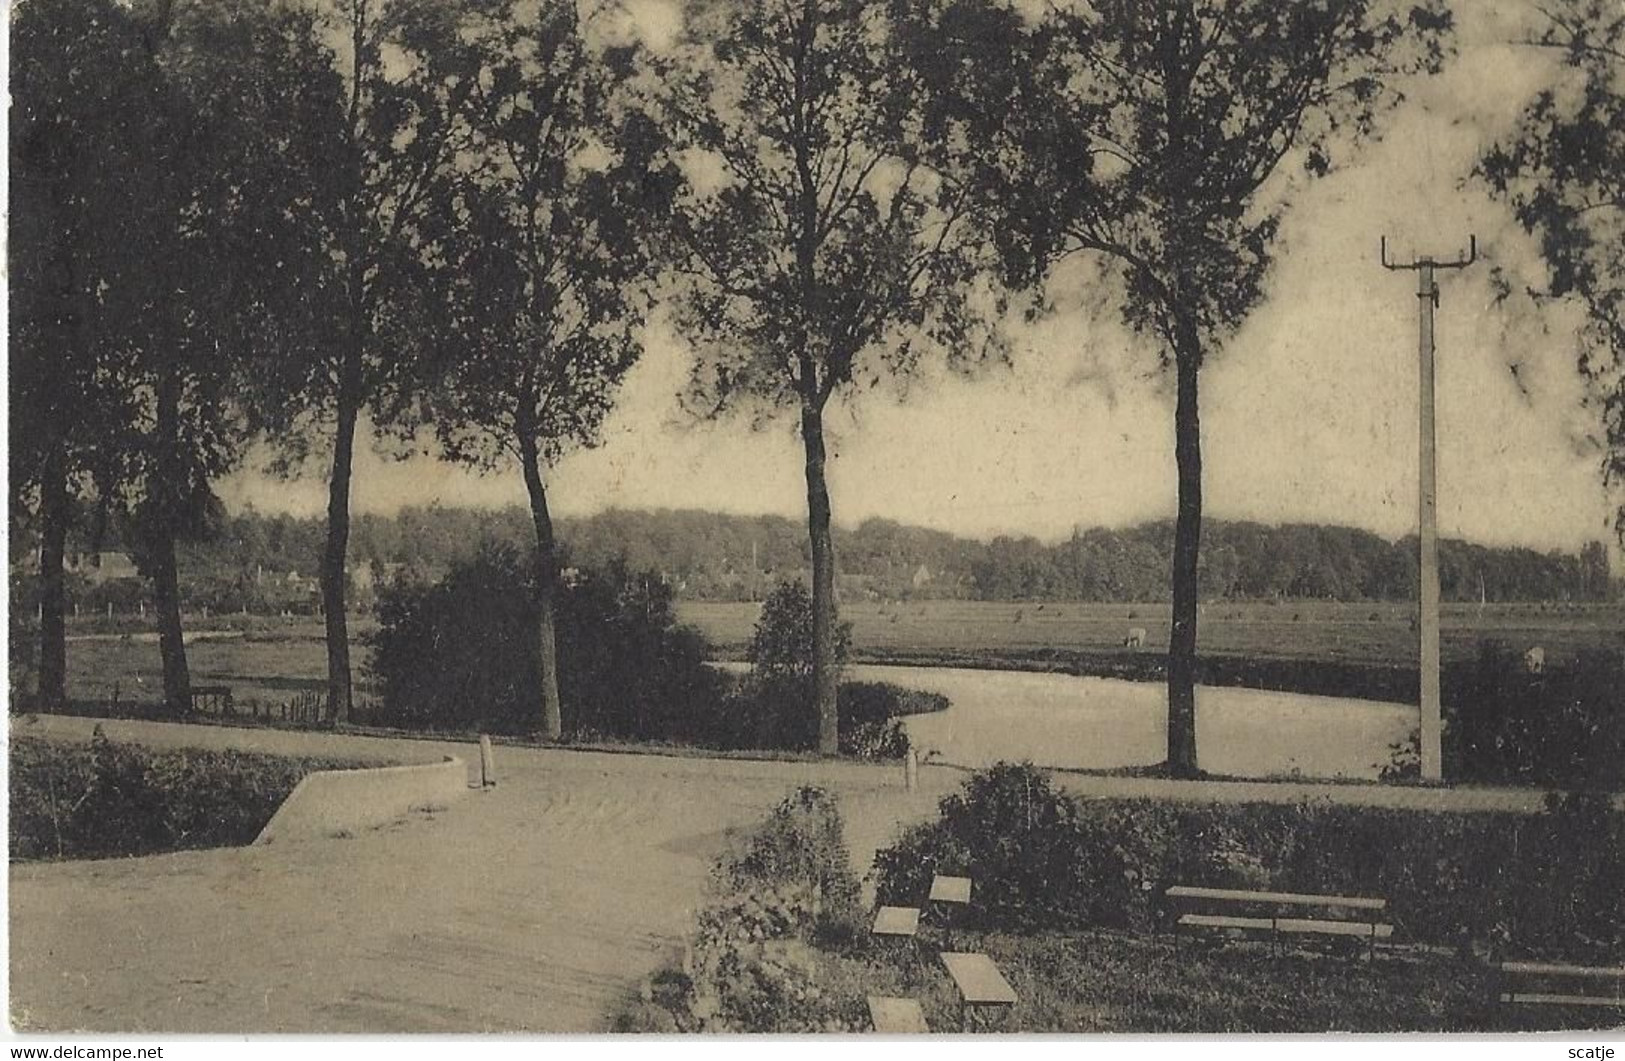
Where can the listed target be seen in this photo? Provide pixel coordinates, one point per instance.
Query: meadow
(273, 661)
(1009, 633)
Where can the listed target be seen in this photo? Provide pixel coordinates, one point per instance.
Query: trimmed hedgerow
(106, 799)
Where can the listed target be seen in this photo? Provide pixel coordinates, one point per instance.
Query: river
(1098, 723)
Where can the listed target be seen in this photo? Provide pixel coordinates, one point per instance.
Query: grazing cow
(1534, 661)
(1135, 638)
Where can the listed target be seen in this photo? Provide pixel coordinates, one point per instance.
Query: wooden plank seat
(1279, 914)
(950, 889)
(898, 921)
(897, 1016)
(983, 990)
(1549, 984)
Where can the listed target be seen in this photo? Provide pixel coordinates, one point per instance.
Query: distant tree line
(716, 556)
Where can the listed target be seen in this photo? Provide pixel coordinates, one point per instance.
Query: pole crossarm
(1461, 261)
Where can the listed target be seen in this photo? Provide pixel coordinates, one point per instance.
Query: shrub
(462, 653)
(781, 645)
(751, 967)
(108, 799)
(1563, 726)
(1541, 885)
(1014, 835)
(801, 843)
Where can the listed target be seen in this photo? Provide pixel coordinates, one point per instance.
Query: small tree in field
(821, 250)
(781, 646)
(556, 220)
(1154, 137)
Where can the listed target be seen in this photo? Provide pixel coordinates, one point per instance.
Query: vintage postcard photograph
(816, 518)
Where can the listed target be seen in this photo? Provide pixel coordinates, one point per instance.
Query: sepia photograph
(637, 519)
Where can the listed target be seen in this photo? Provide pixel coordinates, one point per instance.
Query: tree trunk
(547, 581)
(163, 511)
(333, 561)
(53, 602)
(825, 673)
(166, 597)
(1187, 543)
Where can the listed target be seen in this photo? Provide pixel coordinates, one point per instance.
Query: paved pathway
(532, 907)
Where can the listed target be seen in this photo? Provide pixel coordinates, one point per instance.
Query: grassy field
(275, 663)
(1369, 633)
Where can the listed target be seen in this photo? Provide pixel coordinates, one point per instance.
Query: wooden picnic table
(983, 990)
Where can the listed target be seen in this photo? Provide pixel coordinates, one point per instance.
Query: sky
(1308, 414)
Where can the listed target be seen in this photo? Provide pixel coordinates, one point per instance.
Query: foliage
(774, 707)
(108, 799)
(461, 653)
(828, 253)
(551, 228)
(536, 331)
(1562, 726)
(1242, 561)
(1564, 174)
(801, 843)
(781, 647)
(1149, 138)
(1507, 883)
(777, 888)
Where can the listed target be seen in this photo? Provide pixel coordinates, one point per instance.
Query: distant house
(921, 577)
(97, 568)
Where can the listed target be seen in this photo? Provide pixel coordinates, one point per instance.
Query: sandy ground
(532, 907)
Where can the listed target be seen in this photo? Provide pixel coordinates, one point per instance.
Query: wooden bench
(1226, 909)
(211, 699)
(1541, 983)
(983, 990)
(897, 1016)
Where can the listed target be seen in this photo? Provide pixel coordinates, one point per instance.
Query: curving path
(527, 908)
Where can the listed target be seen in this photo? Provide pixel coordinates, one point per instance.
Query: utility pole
(1427, 506)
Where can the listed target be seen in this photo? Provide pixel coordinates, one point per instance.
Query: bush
(801, 844)
(751, 966)
(463, 654)
(1563, 726)
(106, 799)
(1542, 885)
(781, 645)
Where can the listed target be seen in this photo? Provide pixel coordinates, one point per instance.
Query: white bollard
(911, 770)
(488, 763)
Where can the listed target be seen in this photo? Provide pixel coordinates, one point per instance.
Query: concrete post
(1427, 598)
(911, 770)
(488, 763)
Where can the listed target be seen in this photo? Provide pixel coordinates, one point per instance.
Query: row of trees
(264, 218)
(248, 559)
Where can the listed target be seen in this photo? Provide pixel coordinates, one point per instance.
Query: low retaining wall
(330, 802)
